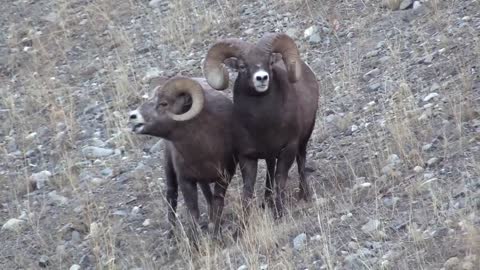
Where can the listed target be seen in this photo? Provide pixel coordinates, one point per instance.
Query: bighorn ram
(275, 104)
(195, 121)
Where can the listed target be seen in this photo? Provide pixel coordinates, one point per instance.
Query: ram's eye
(242, 67)
(163, 104)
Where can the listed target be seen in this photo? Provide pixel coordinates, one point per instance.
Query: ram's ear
(231, 62)
(275, 57)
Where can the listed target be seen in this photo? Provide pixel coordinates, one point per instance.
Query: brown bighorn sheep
(275, 104)
(196, 122)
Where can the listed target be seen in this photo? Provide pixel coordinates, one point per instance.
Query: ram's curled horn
(179, 85)
(213, 69)
(284, 45)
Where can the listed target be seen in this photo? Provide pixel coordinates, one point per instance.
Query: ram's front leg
(190, 195)
(284, 163)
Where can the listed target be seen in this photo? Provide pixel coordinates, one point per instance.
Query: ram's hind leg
(207, 192)
(305, 190)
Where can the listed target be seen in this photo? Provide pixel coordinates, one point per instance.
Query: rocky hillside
(395, 155)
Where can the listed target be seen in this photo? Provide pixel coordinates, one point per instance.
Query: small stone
(299, 241)
(315, 38)
(467, 18)
(468, 266)
(435, 87)
(242, 267)
(75, 267)
(317, 237)
(249, 31)
(416, 5)
(57, 198)
(374, 87)
(427, 147)
(372, 53)
(433, 161)
(430, 96)
(135, 211)
(354, 128)
(452, 263)
(371, 226)
(93, 152)
(31, 136)
(264, 267)
(353, 245)
(98, 181)
(310, 31)
(13, 224)
(155, 3)
(146, 223)
(390, 201)
(427, 59)
(76, 237)
(371, 74)
(394, 159)
(151, 73)
(41, 179)
(107, 172)
(52, 17)
(44, 261)
(405, 4)
(418, 169)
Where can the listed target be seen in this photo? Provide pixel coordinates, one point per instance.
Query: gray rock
(41, 179)
(52, 17)
(374, 87)
(390, 201)
(156, 3)
(107, 172)
(371, 74)
(418, 169)
(394, 159)
(75, 267)
(433, 161)
(249, 31)
(416, 5)
(97, 152)
(452, 263)
(43, 262)
(315, 38)
(76, 237)
(430, 96)
(242, 267)
(427, 147)
(406, 4)
(310, 31)
(372, 53)
(14, 225)
(151, 73)
(59, 199)
(371, 226)
(299, 241)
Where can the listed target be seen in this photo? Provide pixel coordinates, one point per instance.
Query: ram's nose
(133, 115)
(137, 121)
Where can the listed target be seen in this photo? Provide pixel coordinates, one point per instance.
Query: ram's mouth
(138, 128)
